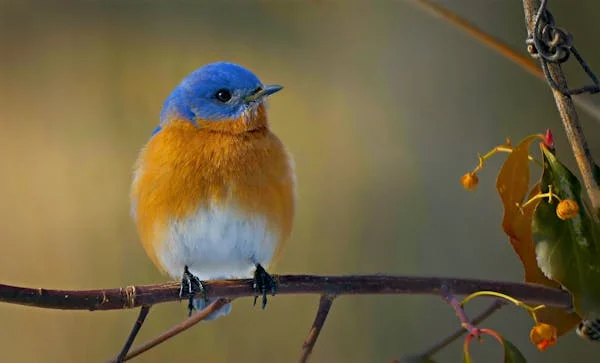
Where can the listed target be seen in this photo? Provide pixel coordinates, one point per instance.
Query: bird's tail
(201, 303)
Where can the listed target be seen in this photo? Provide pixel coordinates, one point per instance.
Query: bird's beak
(266, 91)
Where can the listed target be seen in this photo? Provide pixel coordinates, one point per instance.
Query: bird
(213, 194)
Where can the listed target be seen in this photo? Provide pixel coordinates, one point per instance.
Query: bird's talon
(193, 285)
(263, 283)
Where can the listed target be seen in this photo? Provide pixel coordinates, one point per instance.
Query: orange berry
(469, 181)
(567, 209)
(543, 336)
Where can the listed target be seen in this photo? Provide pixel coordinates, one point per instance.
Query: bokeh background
(385, 107)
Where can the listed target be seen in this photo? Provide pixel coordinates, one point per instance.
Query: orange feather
(185, 167)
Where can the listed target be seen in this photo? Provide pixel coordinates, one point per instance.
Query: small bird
(213, 192)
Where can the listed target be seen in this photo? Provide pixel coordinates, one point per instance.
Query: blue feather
(195, 97)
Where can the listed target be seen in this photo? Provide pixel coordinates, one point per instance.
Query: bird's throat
(253, 119)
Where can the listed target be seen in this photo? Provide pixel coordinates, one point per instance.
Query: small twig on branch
(460, 312)
(136, 296)
(555, 76)
(179, 328)
(134, 332)
(489, 311)
(501, 48)
(465, 322)
(324, 306)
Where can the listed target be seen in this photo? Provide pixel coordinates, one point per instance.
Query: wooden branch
(486, 39)
(495, 44)
(324, 306)
(568, 115)
(134, 332)
(179, 328)
(456, 305)
(136, 296)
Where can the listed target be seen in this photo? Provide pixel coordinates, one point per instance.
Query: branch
(460, 312)
(136, 296)
(478, 34)
(179, 328)
(567, 112)
(134, 332)
(324, 305)
(501, 48)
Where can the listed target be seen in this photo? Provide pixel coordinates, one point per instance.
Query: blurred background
(385, 107)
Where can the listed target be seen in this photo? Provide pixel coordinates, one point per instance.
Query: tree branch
(568, 115)
(136, 296)
(324, 306)
(134, 332)
(465, 322)
(501, 48)
(179, 328)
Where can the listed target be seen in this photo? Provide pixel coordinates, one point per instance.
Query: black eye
(223, 95)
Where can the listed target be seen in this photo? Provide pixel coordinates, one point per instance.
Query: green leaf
(596, 193)
(512, 354)
(567, 251)
(597, 173)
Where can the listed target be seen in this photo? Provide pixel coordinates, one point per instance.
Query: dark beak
(263, 92)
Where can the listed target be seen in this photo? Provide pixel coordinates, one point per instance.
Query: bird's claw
(190, 285)
(263, 284)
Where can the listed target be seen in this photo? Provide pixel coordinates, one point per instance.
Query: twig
(135, 296)
(501, 48)
(460, 312)
(179, 328)
(134, 332)
(486, 39)
(495, 306)
(567, 112)
(324, 306)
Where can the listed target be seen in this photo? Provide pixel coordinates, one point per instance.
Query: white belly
(217, 242)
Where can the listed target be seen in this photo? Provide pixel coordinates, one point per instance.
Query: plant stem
(495, 306)
(568, 115)
(500, 47)
(179, 328)
(134, 332)
(325, 303)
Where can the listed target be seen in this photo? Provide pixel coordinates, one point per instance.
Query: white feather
(215, 242)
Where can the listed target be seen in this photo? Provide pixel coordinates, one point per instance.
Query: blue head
(216, 92)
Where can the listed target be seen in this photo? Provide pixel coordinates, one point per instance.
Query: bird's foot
(263, 284)
(190, 285)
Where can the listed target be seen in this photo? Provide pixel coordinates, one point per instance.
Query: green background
(384, 109)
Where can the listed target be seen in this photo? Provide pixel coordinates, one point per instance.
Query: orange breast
(183, 168)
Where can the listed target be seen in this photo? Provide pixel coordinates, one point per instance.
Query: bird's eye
(223, 95)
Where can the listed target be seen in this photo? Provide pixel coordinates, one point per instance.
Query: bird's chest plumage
(216, 202)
